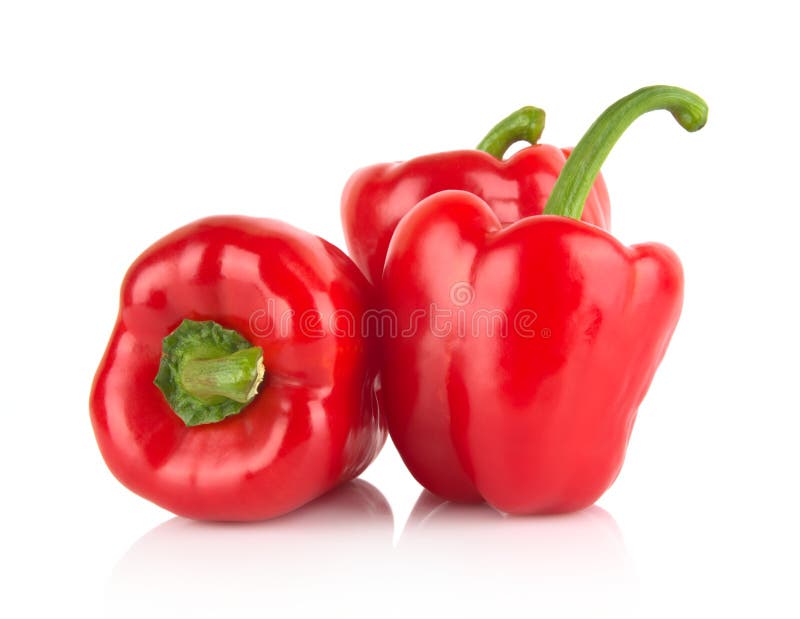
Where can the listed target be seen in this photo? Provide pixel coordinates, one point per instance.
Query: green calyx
(578, 174)
(526, 124)
(207, 372)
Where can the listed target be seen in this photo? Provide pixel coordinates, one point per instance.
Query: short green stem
(207, 372)
(235, 376)
(526, 124)
(578, 174)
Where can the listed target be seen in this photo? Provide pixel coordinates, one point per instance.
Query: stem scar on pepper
(207, 372)
(575, 181)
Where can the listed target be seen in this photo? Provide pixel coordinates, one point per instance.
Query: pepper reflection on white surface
(340, 547)
(319, 556)
(564, 564)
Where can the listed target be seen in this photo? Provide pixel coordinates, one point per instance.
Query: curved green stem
(578, 174)
(526, 123)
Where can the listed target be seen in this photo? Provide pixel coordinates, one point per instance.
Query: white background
(122, 121)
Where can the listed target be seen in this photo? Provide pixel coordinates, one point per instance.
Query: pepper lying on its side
(261, 401)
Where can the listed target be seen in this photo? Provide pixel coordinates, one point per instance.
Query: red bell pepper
(232, 387)
(527, 349)
(377, 197)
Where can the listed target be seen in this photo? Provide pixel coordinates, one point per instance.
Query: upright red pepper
(235, 386)
(377, 197)
(526, 350)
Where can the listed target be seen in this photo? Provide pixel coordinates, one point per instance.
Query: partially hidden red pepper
(377, 197)
(232, 387)
(525, 350)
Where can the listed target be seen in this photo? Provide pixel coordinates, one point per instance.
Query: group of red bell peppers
(487, 318)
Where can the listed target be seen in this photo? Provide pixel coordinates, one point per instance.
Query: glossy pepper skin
(314, 421)
(527, 348)
(377, 197)
(538, 420)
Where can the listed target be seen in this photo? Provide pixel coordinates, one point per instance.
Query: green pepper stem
(235, 376)
(207, 372)
(526, 123)
(578, 174)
